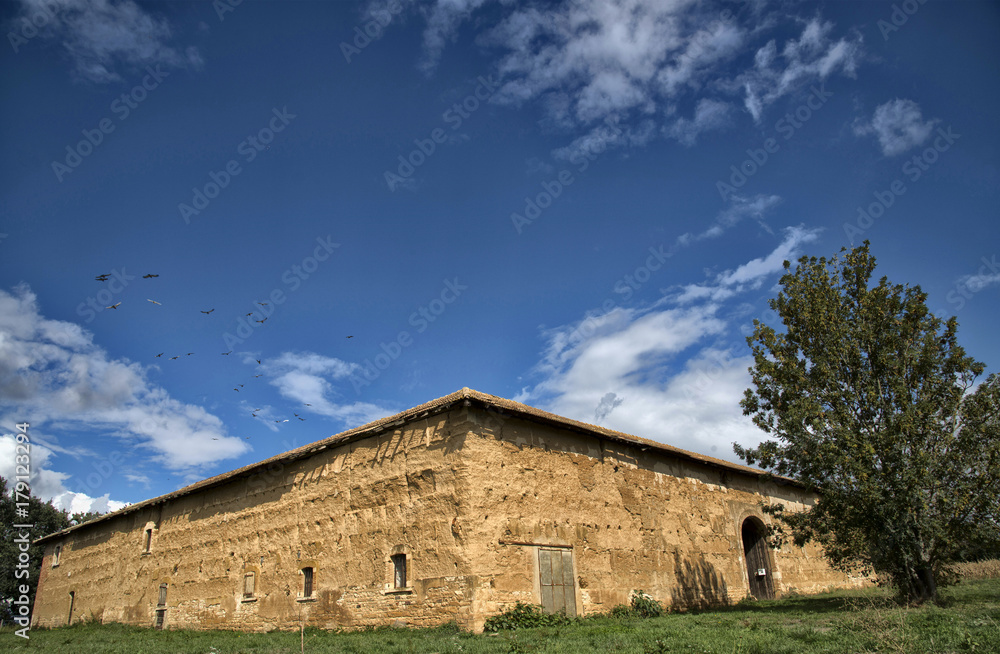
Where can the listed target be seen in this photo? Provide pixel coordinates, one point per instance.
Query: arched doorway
(758, 561)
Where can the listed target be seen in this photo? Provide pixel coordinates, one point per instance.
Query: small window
(399, 570)
(162, 601)
(307, 582)
(147, 541)
(55, 555)
(248, 584)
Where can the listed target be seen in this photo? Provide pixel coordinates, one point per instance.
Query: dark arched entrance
(758, 562)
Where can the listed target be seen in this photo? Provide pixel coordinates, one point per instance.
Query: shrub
(524, 616)
(641, 606)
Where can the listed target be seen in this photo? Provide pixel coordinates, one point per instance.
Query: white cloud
(51, 371)
(630, 62)
(305, 378)
(101, 35)
(898, 125)
(813, 56)
(47, 484)
(663, 372)
(751, 274)
(976, 283)
(738, 209)
(709, 115)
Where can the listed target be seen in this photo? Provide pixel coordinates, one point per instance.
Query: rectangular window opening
(307, 582)
(162, 601)
(147, 541)
(55, 555)
(399, 570)
(249, 580)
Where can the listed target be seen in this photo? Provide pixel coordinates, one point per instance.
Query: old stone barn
(450, 511)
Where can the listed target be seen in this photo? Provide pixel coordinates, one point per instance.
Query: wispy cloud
(898, 125)
(815, 55)
(102, 36)
(306, 378)
(709, 115)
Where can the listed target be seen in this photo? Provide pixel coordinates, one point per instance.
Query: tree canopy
(46, 520)
(872, 403)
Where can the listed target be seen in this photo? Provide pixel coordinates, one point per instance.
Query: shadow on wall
(699, 584)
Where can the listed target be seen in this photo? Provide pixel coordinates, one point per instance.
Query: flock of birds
(255, 413)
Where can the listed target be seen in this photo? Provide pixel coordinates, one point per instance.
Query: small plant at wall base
(875, 406)
(640, 605)
(525, 616)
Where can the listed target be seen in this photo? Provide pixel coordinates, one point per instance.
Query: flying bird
(240, 385)
(256, 376)
(350, 337)
(250, 314)
(172, 358)
(190, 353)
(308, 405)
(208, 312)
(149, 275)
(113, 306)
(214, 439)
(263, 304)
(258, 361)
(262, 322)
(302, 419)
(158, 355)
(153, 301)
(281, 421)
(237, 390)
(227, 353)
(103, 278)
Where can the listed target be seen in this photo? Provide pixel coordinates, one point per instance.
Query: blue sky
(579, 205)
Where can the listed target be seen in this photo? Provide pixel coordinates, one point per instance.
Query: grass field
(847, 621)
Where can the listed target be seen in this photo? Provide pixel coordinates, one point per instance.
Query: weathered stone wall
(635, 520)
(467, 495)
(340, 511)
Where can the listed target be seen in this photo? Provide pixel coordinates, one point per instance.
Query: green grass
(846, 621)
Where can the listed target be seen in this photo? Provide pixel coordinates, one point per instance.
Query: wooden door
(758, 562)
(556, 581)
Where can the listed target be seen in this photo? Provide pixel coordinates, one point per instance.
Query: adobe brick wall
(635, 520)
(448, 491)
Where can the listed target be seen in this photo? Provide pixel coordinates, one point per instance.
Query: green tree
(873, 404)
(46, 519)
